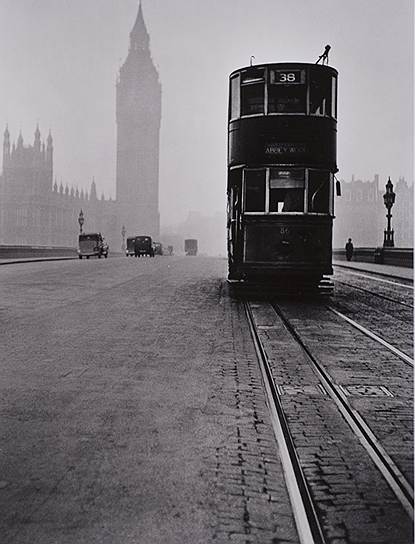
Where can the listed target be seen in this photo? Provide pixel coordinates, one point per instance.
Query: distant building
(34, 210)
(402, 214)
(138, 117)
(361, 214)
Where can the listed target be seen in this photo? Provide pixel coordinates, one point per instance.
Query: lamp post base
(388, 239)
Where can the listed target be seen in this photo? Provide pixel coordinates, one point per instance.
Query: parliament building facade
(361, 213)
(35, 210)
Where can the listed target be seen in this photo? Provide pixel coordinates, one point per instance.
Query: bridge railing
(390, 256)
(23, 252)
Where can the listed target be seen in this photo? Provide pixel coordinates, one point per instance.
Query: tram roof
(287, 65)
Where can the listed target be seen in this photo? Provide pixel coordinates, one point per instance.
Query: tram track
(390, 472)
(403, 356)
(376, 278)
(385, 313)
(307, 522)
(373, 293)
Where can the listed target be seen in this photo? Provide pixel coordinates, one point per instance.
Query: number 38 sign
(287, 77)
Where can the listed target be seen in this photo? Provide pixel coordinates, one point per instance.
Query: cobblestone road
(132, 411)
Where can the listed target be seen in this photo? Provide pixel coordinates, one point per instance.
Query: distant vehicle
(129, 251)
(143, 246)
(92, 245)
(158, 248)
(190, 246)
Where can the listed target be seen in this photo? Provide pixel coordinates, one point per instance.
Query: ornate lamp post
(123, 231)
(81, 220)
(389, 200)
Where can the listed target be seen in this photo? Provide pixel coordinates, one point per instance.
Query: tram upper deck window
(323, 95)
(287, 91)
(318, 191)
(254, 197)
(235, 106)
(252, 91)
(286, 190)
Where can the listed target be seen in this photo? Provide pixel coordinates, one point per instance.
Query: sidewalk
(381, 269)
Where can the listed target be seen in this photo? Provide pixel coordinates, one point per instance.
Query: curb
(35, 260)
(389, 275)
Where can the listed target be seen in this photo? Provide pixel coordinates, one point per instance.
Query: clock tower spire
(138, 115)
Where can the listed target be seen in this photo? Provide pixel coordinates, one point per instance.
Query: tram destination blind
(287, 77)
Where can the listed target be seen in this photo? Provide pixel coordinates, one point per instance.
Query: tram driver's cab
(287, 190)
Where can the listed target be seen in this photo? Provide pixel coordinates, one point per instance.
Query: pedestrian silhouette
(349, 249)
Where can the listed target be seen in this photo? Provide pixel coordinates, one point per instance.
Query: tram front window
(252, 99)
(318, 191)
(254, 191)
(286, 190)
(252, 92)
(287, 91)
(286, 99)
(321, 96)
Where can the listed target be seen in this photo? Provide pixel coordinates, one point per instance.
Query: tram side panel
(285, 140)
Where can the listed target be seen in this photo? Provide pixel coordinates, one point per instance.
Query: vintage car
(92, 245)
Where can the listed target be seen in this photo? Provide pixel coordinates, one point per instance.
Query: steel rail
(393, 476)
(375, 294)
(307, 523)
(405, 358)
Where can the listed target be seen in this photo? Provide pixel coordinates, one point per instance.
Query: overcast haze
(60, 59)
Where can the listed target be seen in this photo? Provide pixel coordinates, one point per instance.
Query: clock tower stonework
(138, 116)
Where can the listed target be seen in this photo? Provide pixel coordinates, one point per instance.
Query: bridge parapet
(22, 252)
(381, 255)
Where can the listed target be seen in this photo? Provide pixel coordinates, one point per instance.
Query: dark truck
(190, 246)
(143, 245)
(129, 250)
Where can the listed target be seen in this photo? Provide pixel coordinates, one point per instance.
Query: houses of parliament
(35, 210)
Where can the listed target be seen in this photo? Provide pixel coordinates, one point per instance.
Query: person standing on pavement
(349, 249)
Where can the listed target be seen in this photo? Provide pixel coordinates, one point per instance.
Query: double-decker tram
(281, 166)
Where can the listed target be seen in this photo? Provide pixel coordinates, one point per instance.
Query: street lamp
(123, 231)
(389, 200)
(81, 220)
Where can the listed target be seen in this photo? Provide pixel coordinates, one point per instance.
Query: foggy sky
(60, 60)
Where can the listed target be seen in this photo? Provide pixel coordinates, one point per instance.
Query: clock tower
(138, 116)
